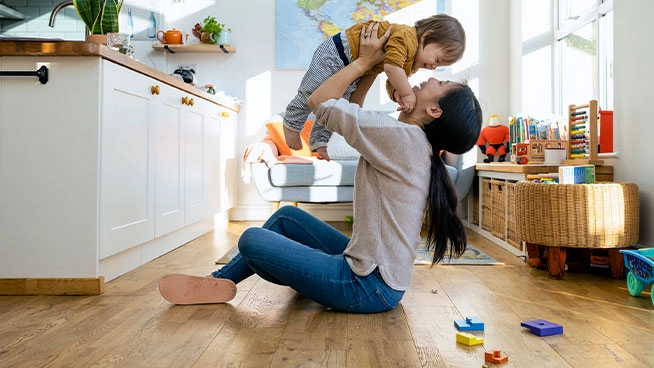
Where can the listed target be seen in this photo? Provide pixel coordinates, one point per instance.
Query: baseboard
(325, 212)
(52, 286)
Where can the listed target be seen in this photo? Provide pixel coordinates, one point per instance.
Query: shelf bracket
(222, 47)
(168, 49)
(41, 73)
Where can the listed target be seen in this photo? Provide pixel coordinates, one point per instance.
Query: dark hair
(455, 131)
(445, 31)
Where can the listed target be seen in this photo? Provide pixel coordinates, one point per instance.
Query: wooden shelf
(197, 47)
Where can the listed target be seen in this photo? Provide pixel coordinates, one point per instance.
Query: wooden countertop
(81, 48)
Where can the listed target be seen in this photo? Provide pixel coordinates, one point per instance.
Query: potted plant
(209, 30)
(99, 16)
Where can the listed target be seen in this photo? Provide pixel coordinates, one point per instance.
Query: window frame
(565, 27)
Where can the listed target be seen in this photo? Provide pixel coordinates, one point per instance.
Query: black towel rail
(41, 73)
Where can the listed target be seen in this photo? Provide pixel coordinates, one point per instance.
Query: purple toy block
(470, 324)
(542, 328)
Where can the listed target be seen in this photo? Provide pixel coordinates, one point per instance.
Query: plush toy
(494, 139)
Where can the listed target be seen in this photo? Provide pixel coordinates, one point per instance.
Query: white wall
(634, 93)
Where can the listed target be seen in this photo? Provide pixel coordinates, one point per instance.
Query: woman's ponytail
(455, 131)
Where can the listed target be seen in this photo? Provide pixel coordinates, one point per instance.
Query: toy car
(640, 263)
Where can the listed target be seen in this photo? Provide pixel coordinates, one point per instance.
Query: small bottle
(152, 25)
(130, 23)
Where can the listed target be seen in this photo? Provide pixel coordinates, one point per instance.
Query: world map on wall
(303, 24)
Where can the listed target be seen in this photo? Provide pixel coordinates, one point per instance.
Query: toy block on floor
(469, 339)
(470, 324)
(495, 356)
(542, 328)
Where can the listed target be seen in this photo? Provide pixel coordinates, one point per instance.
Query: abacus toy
(582, 135)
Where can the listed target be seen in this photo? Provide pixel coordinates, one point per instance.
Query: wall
(633, 97)
(37, 13)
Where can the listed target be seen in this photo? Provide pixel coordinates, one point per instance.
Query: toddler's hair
(445, 31)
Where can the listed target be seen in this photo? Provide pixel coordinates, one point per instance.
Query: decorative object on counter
(171, 36)
(209, 31)
(99, 17)
(186, 75)
(120, 41)
(152, 25)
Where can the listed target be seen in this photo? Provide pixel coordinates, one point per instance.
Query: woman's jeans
(296, 249)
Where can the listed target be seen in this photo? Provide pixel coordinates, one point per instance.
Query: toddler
(435, 41)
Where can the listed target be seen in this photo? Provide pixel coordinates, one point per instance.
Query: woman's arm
(370, 53)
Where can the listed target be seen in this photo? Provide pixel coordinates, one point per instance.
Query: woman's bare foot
(187, 289)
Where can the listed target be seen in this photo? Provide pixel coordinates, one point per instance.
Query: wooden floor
(272, 326)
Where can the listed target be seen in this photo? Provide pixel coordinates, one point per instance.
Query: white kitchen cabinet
(229, 162)
(168, 125)
(201, 179)
(127, 171)
(101, 176)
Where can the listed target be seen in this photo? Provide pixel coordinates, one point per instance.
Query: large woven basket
(602, 215)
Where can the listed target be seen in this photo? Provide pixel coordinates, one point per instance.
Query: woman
(399, 175)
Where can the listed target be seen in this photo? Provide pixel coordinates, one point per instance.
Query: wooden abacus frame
(590, 122)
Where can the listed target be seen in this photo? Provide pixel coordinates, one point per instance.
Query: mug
(171, 36)
(554, 155)
(119, 41)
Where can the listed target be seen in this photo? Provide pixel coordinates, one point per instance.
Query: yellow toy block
(469, 339)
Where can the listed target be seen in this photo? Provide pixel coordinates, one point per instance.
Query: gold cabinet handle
(155, 90)
(184, 100)
(190, 101)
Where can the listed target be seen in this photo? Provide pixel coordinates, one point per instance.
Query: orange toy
(494, 139)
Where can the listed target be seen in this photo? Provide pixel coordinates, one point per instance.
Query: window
(567, 55)
(584, 49)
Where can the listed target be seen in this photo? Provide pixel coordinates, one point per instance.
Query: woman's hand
(370, 53)
(370, 45)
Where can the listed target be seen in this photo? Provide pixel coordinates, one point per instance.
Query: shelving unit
(491, 209)
(197, 47)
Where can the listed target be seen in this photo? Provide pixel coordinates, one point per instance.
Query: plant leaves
(99, 16)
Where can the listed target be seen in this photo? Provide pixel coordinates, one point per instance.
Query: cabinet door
(229, 164)
(195, 197)
(212, 169)
(127, 165)
(168, 124)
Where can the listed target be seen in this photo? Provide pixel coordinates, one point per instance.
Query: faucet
(56, 11)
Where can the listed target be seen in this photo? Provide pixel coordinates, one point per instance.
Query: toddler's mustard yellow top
(400, 50)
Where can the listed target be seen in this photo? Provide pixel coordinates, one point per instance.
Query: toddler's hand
(322, 153)
(292, 138)
(407, 103)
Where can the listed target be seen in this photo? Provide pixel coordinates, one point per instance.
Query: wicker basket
(475, 196)
(602, 215)
(486, 204)
(498, 197)
(511, 223)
